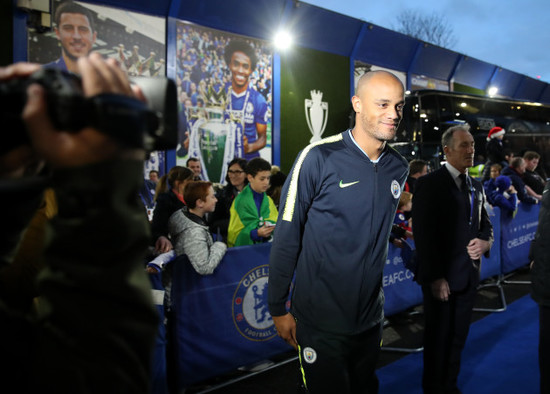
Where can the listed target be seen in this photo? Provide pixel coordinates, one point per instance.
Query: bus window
(429, 119)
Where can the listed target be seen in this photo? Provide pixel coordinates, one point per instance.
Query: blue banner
(517, 234)
(491, 266)
(221, 321)
(400, 289)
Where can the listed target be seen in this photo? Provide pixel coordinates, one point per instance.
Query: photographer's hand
(15, 162)
(64, 149)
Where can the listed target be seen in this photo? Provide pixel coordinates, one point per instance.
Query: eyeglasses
(235, 172)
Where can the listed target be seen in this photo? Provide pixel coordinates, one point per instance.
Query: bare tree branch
(433, 28)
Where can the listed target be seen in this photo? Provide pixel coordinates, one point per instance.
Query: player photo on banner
(224, 89)
(137, 41)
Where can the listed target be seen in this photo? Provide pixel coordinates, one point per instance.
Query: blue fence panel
(491, 266)
(517, 234)
(221, 320)
(400, 289)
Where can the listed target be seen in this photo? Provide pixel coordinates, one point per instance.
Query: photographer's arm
(96, 324)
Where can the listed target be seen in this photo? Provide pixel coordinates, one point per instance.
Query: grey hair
(447, 136)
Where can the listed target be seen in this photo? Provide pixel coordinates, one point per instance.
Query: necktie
(466, 193)
(464, 184)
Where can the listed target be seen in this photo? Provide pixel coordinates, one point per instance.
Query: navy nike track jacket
(333, 228)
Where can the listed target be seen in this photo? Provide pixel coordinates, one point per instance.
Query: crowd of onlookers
(508, 180)
(189, 216)
(199, 219)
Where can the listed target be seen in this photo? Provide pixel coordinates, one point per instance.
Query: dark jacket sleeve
(297, 195)
(165, 207)
(519, 185)
(485, 231)
(96, 323)
(540, 253)
(219, 220)
(426, 215)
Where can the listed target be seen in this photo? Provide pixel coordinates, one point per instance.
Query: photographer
(95, 325)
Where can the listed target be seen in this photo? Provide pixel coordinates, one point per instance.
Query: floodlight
(282, 40)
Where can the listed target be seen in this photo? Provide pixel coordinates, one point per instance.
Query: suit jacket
(442, 229)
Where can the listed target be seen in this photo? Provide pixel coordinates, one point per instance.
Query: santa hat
(495, 132)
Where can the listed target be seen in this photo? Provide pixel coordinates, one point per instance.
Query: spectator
(504, 196)
(253, 214)
(515, 171)
(99, 323)
(189, 231)
(277, 181)
(489, 185)
(495, 150)
(417, 168)
(236, 181)
(194, 165)
(404, 206)
(168, 203)
(530, 177)
(154, 176)
(540, 277)
(508, 155)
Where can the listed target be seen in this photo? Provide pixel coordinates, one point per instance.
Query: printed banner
(137, 41)
(400, 289)
(224, 91)
(315, 99)
(221, 321)
(491, 266)
(517, 234)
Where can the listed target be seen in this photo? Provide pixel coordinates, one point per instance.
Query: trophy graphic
(210, 134)
(316, 114)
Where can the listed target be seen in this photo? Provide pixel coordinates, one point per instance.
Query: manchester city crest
(395, 189)
(250, 313)
(310, 355)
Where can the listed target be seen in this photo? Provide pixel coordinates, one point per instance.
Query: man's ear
(356, 102)
(249, 177)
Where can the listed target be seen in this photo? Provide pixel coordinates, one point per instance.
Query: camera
(151, 126)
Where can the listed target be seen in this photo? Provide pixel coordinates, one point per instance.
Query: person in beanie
(504, 196)
(494, 150)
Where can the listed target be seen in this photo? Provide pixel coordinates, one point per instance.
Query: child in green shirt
(253, 214)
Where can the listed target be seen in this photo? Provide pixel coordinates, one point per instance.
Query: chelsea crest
(250, 313)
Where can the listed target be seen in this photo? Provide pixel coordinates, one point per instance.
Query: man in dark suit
(451, 231)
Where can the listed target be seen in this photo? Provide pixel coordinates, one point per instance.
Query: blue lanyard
(472, 196)
(472, 192)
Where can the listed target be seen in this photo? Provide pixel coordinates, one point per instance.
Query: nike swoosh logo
(343, 185)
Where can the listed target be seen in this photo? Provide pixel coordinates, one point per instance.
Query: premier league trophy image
(316, 114)
(211, 139)
(226, 88)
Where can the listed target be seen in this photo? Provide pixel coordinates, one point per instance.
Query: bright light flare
(282, 40)
(492, 92)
